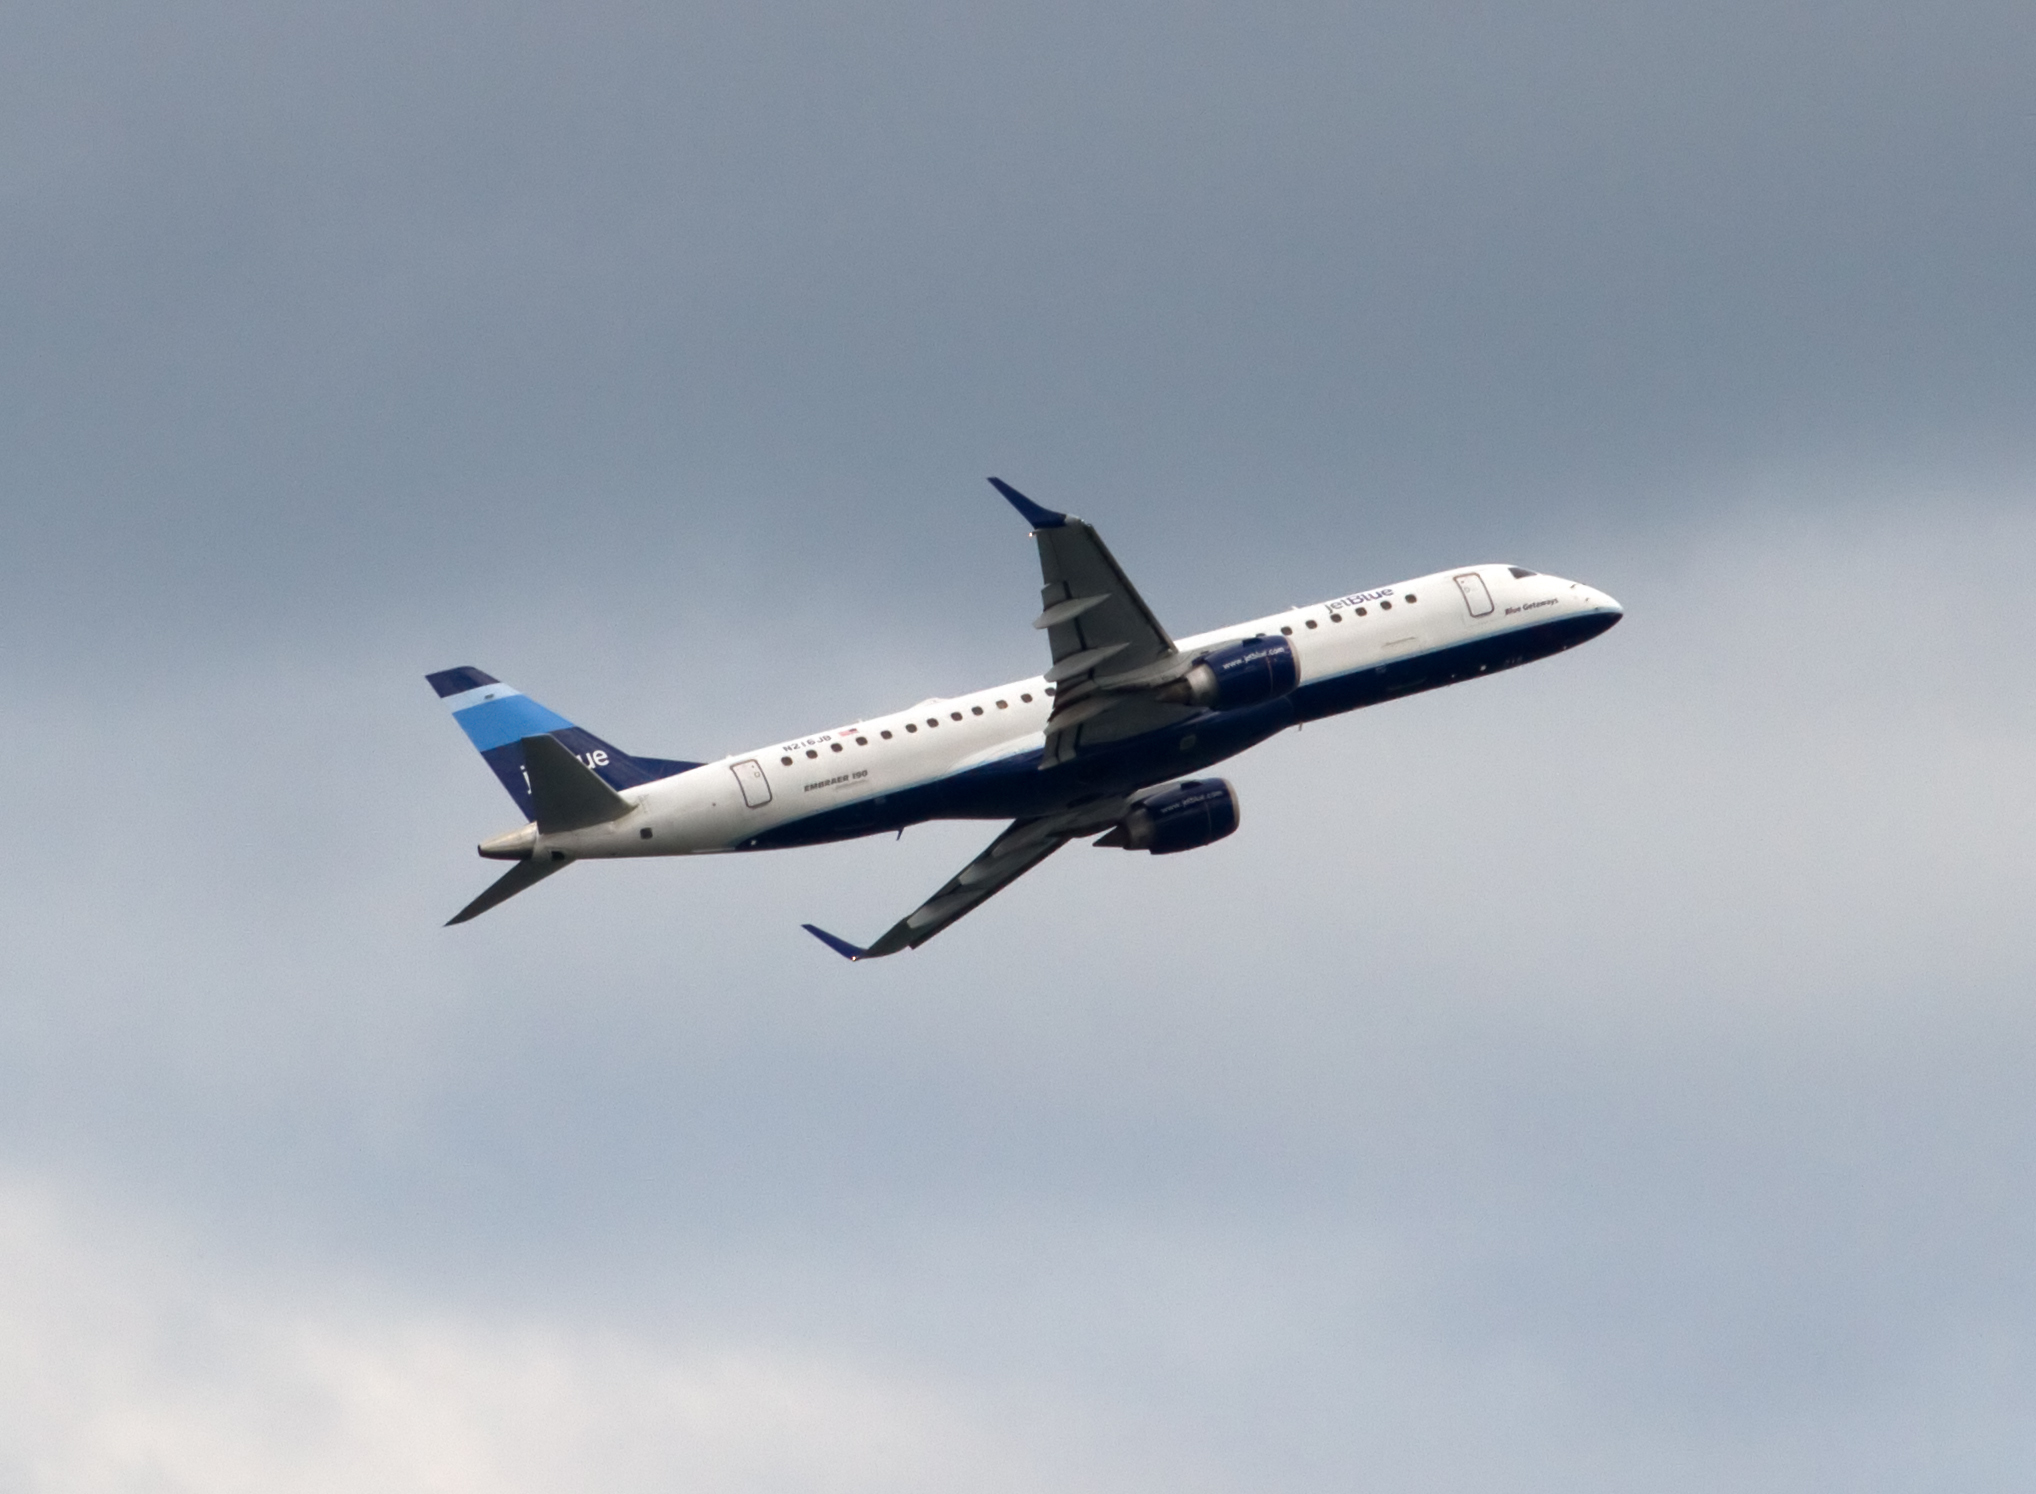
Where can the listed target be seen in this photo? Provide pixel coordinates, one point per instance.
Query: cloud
(133, 1362)
(1620, 1059)
(1610, 1074)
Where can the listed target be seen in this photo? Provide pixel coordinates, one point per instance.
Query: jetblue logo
(597, 759)
(1358, 598)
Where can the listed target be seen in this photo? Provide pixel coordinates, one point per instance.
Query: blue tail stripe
(496, 723)
(497, 717)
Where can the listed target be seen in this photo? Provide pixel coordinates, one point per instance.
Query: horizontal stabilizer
(523, 874)
(566, 793)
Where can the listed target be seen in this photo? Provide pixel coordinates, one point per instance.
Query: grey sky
(1614, 1075)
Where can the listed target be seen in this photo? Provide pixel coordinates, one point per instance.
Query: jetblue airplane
(1099, 745)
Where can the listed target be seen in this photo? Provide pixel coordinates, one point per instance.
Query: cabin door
(756, 789)
(1475, 596)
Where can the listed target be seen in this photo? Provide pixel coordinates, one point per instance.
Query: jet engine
(1238, 674)
(1179, 817)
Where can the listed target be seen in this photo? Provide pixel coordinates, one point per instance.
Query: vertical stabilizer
(498, 717)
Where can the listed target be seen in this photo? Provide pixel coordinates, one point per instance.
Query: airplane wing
(1022, 846)
(1109, 650)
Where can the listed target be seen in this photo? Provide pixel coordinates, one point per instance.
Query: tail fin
(497, 717)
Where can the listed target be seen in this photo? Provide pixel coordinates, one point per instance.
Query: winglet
(1037, 517)
(841, 947)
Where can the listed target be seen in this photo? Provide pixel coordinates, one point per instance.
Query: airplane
(1101, 745)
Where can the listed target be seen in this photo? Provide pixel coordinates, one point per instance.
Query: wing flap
(1076, 566)
(1089, 604)
(1102, 719)
(1084, 661)
(1067, 611)
(955, 900)
(1094, 619)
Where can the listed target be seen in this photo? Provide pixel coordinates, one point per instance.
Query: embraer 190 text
(1100, 745)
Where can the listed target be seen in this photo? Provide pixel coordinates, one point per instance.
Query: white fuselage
(727, 804)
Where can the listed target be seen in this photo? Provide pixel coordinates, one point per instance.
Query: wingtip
(1035, 515)
(849, 952)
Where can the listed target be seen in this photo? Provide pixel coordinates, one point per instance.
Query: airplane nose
(1595, 604)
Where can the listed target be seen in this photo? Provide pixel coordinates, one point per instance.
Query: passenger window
(1289, 632)
(811, 753)
(1362, 613)
(1026, 698)
(786, 761)
(910, 727)
(933, 721)
(1311, 622)
(955, 714)
(837, 746)
(975, 710)
(885, 735)
(1003, 705)
(1412, 599)
(1336, 617)
(1385, 606)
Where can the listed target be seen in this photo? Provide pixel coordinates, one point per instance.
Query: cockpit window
(1520, 574)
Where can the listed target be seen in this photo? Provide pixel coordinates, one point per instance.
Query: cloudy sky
(1615, 1075)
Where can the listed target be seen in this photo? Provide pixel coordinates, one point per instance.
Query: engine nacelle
(1234, 675)
(1179, 817)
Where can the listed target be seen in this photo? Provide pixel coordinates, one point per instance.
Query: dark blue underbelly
(1015, 788)
(1446, 666)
